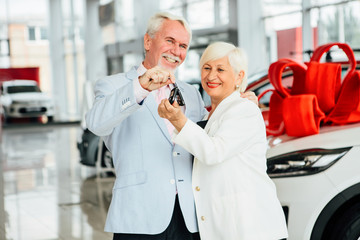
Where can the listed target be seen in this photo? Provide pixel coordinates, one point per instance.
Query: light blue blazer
(149, 168)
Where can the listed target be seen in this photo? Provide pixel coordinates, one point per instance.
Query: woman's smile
(213, 85)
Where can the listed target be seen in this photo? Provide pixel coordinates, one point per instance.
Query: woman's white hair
(237, 58)
(156, 21)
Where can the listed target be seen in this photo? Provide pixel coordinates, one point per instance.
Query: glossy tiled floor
(45, 192)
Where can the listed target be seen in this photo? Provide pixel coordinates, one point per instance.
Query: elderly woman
(234, 197)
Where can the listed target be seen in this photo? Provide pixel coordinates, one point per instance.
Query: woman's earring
(237, 86)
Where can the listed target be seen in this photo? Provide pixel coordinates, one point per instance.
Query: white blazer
(234, 197)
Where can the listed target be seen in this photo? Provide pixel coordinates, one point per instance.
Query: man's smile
(171, 59)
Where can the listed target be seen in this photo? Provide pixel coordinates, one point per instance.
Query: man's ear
(147, 41)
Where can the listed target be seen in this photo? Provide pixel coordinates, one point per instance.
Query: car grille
(32, 110)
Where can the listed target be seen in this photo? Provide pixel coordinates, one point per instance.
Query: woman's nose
(212, 75)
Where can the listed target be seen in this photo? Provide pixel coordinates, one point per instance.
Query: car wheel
(50, 118)
(106, 159)
(347, 226)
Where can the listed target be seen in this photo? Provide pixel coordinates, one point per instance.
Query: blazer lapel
(219, 110)
(152, 105)
(132, 74)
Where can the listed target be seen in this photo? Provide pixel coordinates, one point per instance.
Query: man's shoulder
(185, 85)
(113, 76)
(129, 75)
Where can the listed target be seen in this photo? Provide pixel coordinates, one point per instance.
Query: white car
(23, 98)
(318, 182)
(317, 176)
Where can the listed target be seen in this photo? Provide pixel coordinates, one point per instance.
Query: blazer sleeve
(114, 102)
(238, 128)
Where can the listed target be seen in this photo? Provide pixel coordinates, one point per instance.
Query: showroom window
(330, 20)
(73, 18)
(4, 52)
(283, 26)
(279, 7)
(201, 19)
(213, 12)
(123, 21)
(31, 33)
(4, 47)
(37, 33)
(339, 23)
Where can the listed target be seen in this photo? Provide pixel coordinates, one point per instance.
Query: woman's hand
(251, 96)
(172, 113)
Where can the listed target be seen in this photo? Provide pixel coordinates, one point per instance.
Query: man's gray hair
(156, 21)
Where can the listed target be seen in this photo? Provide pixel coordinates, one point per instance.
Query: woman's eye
(220, 70)
(206, 68)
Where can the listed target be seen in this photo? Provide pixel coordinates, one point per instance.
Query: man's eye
(183, 46)
(206, 68)
(221, 70)
(170, 41)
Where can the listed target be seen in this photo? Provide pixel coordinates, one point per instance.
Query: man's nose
(176, 49)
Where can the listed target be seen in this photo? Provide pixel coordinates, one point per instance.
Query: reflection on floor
(46, 193)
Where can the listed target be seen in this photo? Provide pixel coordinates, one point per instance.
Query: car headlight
(304, 162)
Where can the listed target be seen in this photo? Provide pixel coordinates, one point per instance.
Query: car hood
(330, 137)
(36, 96)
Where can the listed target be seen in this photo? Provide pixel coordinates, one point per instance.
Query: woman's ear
(240, 76)
(147, 41)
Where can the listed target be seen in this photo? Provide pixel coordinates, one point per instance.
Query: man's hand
(173, 113)
(156, 78)
(251, 96)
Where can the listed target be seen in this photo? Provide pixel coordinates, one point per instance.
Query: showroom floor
(46, 193)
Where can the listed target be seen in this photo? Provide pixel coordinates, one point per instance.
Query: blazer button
(202, 218)
(197, 188)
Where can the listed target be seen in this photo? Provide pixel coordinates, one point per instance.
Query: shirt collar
(141, 69)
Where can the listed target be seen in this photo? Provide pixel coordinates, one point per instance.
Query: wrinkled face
(169, 46)
(218, 79)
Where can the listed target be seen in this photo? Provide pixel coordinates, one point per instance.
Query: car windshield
(22, 89)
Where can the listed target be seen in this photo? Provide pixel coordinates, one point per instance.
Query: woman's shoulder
(240, 103)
